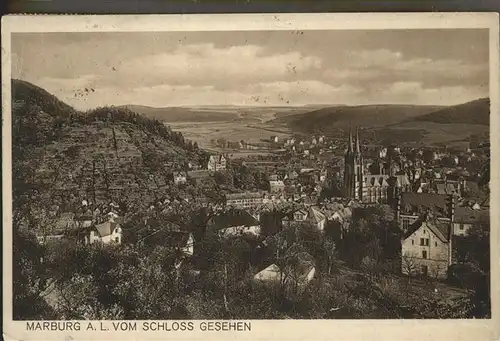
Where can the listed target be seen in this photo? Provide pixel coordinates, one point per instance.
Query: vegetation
(68, 156)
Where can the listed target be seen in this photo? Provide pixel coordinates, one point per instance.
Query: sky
(275, 68)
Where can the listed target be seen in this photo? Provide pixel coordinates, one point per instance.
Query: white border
(279, 329)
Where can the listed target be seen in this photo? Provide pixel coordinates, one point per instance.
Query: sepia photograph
(252, 174)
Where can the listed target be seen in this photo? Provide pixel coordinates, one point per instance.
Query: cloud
(415, 92)
(385, 67)
(161, 69)
(207, 64)
(264, 93)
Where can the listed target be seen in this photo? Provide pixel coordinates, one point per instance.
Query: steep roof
(105, 229)
(440, 229)
(424, 199)
(316, 215)
(233, 218)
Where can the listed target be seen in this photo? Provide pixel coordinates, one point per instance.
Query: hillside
(217, 113)
(326, 120)
(474, 112)
(179, 114)
(61, 156)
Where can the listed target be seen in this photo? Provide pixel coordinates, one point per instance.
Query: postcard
(251, 177)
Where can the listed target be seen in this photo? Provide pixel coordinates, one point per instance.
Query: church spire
(358, 148)
(350, 145)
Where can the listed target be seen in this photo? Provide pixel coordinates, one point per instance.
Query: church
(362, 186)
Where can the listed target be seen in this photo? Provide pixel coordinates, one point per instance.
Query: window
(422, 242)
(461, 226)
(435, 243)
(412, 242)
(424, 254)
(427, 242)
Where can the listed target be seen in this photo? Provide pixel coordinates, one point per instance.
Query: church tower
(353, 169)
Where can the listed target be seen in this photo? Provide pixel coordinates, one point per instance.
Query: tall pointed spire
(358, 148)
(350, 145)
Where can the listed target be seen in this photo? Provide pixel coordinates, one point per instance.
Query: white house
(180, 178)
(294, 276)
(426, 248)
(106, 233)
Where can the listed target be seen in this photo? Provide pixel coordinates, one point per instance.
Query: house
(310, 215)
(84, 220)
(274, 139)
(234, 223)
(317, 218)
(198, 175)
(276, 186)
(411, 206)
(293, 276)
(466, 218)
(292, 175)
(426, 248)
(216, 163)
(180, 178)
(245, 200)
(106, 233)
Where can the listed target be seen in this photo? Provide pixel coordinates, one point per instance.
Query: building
(106, 233)
(234, 223)
(426, 248)
(276, 186)
(312, 215)
(216, 163)
(353, 169)
(180, 178)
(245, 200)
(466, 218)
(369, 188)
(293, 277)
(274, 139)
(411, 206)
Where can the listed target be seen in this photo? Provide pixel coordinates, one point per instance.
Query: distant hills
(341, 117)
(217, 113)
(177, 114)
(474, 112)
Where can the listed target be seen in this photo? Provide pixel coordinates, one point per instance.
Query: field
(205, 132)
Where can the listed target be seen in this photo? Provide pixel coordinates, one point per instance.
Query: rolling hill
(217, 113)
(474, 112)
(328, 119)
(181, 114)
(61, 156)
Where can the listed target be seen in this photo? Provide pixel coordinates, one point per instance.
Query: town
(283, 222)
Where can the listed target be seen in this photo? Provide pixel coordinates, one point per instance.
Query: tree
(408, 266)
(330, 253)
(29, 279)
